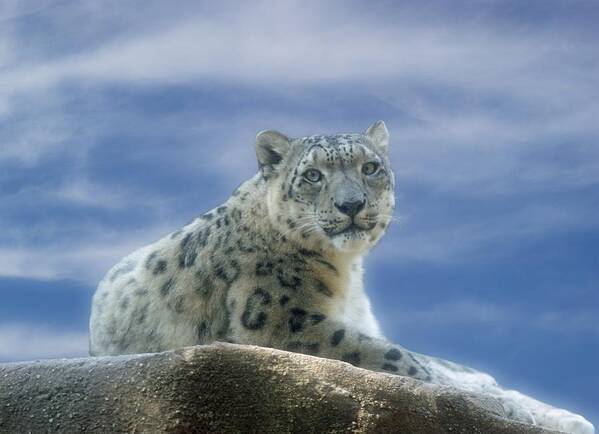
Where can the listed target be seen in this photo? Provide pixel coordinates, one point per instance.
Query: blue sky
(120, 121)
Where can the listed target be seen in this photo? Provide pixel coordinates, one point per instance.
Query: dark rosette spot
(141, 312)
(323, 289)
(202, 237)
(337, 337)
(284, 300)
(393, 354)
(229, 272)
(177, 305)
(288, 280)
(236, 214)
(124, 303)
(160, 267)
(246, 248)
(204, 284)
(297, 319)
(253, 318)
(202, 331)
(264, 268)
(188, 253)
(317, 317)
(166, 287)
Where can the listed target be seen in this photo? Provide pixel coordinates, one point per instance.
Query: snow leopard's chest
(355, 307)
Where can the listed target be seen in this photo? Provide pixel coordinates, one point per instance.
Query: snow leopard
(279, 264)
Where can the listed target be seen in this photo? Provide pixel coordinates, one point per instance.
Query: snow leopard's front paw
(515, 411)
(565, 421)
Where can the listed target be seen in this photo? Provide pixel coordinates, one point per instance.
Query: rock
(225, 388)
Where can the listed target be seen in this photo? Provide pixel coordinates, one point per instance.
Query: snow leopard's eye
(312, 175)
(370, 168)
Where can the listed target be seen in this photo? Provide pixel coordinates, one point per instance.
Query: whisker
(301, 224)
(389, 216)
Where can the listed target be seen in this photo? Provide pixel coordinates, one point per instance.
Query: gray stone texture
(226, 388)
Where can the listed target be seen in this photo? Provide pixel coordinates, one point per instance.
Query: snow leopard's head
(334, 191)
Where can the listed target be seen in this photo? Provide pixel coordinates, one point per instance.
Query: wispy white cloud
(290, 43)
(23, 341)
(500, 318)
(84, 193)
(11, 9)
(481, 153)
(569, 322)
(86, 259)
(478, 239)
(313, 46)
(464, 312)
(264, 41)
(26, 142)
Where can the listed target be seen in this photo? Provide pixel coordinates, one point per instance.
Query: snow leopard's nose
(351, 207)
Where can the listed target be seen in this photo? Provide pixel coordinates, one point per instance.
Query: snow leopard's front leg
(516, 405)
(292, 321)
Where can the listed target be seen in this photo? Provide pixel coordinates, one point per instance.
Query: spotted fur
(279, 264)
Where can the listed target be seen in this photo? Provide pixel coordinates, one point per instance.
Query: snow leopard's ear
(271, 148)
(378, 135)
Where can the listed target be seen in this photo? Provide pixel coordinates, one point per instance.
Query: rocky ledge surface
(226, 388)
